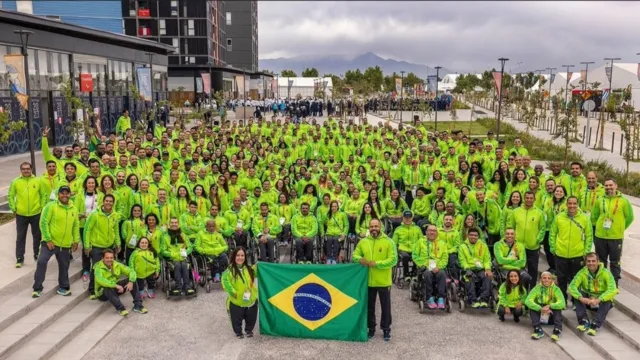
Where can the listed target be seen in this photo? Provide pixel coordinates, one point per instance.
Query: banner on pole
(398, 86)
(607, 70)
(198, 85)
(553, 77)
(432, 80)
(17, 79)
(274, 85)
(289, 84)
(206, 82)
(569, 75)
(144, 82)
(583, 75)
(605, 95)
(497, 76)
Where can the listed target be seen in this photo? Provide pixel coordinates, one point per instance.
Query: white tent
(305, 86)
(560, 82)
(622, 75)
(449, 81)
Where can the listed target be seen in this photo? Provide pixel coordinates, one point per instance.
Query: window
(228, 18)
(193, 60)
(184, 9)
(192, 30)
(186, 47)
(174, 8)
(228, 44)
(176, 44)
(132, 7)
(163, 27)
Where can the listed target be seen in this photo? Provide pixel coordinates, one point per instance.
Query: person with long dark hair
(239, 281)
(511, 297)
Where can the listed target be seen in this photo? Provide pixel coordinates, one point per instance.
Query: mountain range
(339, 64)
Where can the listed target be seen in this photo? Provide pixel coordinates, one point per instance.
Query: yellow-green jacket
(600, 285)
(48, 187)
(530, 226)
(171, 249)
(381, 250)
(407, 236)
(236, 286)
(271, 222)
(210, 243)
(474, 256)
(616, 208)
(108, 278)
(451, 238)
(337, 225)
(510, 257)
(425, 251)
(25, 196)
(133, 227)
(304, 226)
(191, 224)
(144, 263)
(59, 223)
(101, 230)
(233, 217)
(571, 237)
(513, 298)
(541, 296)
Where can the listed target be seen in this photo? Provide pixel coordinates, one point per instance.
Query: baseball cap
(407, 213)
(490, 132)
(63, 189)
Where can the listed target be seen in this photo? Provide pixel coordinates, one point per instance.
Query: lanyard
(513, 248)
(615, 208)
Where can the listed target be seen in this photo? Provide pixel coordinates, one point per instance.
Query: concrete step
(30, 326)
(629, 304)
(625, 327)
(606, 343)
(573, 346)
(93, 333)
(19, 305)
(60, 332)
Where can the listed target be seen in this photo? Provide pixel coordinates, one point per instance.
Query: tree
(8, 127)
(389, 82)
(411, 79)
(266, 71)
(313, 72)
(288, 73)
(374, 77)
(77, 127)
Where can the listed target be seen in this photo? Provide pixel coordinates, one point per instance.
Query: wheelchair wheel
(461, 304)
(413, 293)
(292, 252)
(453, 291)
(207, 287)
(421, 306)
(449, 305)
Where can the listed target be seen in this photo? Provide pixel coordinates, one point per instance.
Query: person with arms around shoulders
(545, 302)
(239, 281)
(595, 288)
(475, 262)
(114, 279)
(60, 237)
(614, 215)
(377, 252)
(431, 257)
(511, 297)
(25, 200)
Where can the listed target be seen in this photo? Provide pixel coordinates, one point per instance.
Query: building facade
(60, 54)
(241, 19)
(97, 14)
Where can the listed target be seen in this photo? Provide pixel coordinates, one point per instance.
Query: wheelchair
(397, 274)
(167, 280)
(317, 250)
(202, 267)
(462, 293)
(254, 250)
(416, 292)
(344, 252)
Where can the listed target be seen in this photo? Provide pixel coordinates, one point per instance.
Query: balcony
(144, 13)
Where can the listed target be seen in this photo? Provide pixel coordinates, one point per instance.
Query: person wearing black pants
(551, 260)
(610, 253)
(517, 313)
(63, 258)
(25, 200)
(385, 305)
(248, 314)
(304, 250)
(22, 225)
(566, 270)
(533, 257)
(109, 272)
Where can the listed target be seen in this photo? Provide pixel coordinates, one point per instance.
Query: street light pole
(502, 62)
(586, 84)
(24, 40)
(610, 92)
(244, 92)
(566, 90)
(550, 82)
(436, 102)
(210, 82)
(152, 122)
(401, 95)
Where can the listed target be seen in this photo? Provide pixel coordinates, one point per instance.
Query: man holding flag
(378, 252)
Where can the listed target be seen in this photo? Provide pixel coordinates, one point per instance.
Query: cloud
(462, 36)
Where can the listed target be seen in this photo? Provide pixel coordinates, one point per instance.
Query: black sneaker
(387, 335)
(516, 319)
(501, 318)
(239, 336)
(249, 334)
(371, 333)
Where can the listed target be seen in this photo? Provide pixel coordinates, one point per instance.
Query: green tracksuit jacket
(101, 230)
(210, 243)
(571, 237)
(108, 278)
(600, 285)
(59, 224)
(25, 196)
(541, 296)
(382, 251)
(407, 236)
(618, 210)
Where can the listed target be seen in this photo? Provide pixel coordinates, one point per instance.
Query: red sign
(86, 83)
(144, 12)
(497, 76)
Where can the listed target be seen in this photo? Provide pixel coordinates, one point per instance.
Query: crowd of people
(444, 204)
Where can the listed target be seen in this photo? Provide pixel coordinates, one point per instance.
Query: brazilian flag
(313, 301)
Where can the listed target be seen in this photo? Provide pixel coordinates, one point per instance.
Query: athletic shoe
(216, 279)
(407, 278)
(143, 295)
(175, 292)
(501, 318)
(328, 262)
(441, 303)
(371, 333)
(152, 293)
(431, 304)
(19, 264)
(300, 262)
(140, 310)
(239, 336)
(63, 292)
(123, 312)
(537, 333)
(476, 305)
(484, 304)
(190, 292)
(85, 276)
(556, 335)
(93, 297)
(249, 334)
(583, 326)
(308, 262)
(516, 319)
(593, 330)
(387, 335)
(36, 294)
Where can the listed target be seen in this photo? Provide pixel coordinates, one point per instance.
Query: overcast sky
(461, 36)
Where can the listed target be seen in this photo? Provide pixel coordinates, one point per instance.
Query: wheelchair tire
(421, 306)
(449, 305)
(461, 304)
(207, 287)
(453, 291)
(413, 294)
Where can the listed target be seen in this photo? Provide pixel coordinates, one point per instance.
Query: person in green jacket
(335, 228)
(25, 200)
(570, 239)
(475, 262)
(511, 296)
(211, 245)
(545, 303)
(191, 222)
(593, 287)
(529, 223)
(114, 279)
(266, 227)
(431, 257)
(176, 248)
(240, 283)
(406, 236)
(614, 215)
(488, 215)
(239, 219)
(123, 124)
(146, 264)
(377, 252)
(304, 228)
(100, 233)
(60, 237)
(511, 255)
(452, 238)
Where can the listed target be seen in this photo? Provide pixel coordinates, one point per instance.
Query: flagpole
(586, 75)
(502, 61)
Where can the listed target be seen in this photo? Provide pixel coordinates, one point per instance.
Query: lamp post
(401, 95)
(151, 121)
(610, 85)
(550, 82)
(502, 62)
(24, 40)
(586, 84)
(436, 99)
(566, 90)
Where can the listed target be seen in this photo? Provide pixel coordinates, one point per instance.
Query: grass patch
(468, 127)
(461, 105)
(545, 150)
(5, 218)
